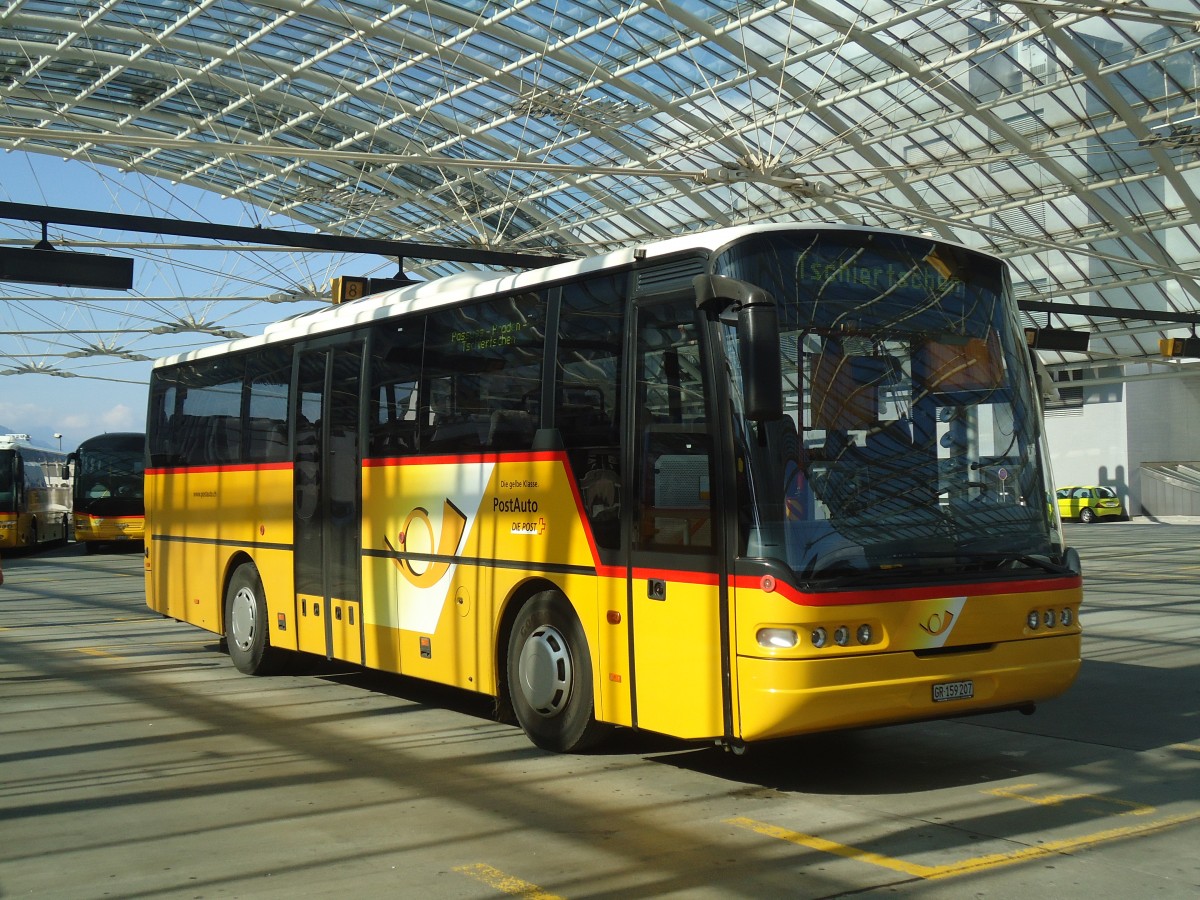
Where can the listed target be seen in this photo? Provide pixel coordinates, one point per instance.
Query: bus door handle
(656, 589)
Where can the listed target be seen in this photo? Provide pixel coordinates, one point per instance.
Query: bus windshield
(109, 476)
(910, 443)
(7, 480)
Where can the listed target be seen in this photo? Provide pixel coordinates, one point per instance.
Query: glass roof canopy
(1063, 136)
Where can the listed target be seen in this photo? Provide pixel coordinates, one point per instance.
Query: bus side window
(675, 465)
(394, 396)
(481, 363)
(590, 341)
(268, 377)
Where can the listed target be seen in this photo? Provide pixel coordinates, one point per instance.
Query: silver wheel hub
(242, 618)
(544, 671)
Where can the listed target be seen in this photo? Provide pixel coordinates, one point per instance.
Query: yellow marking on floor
(992, 861)
(505, 883)
(1195, 748)
(826, 846)
(94, 651)
(1014, 793)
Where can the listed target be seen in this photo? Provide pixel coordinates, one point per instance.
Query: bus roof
(465, 285)
(124, 440)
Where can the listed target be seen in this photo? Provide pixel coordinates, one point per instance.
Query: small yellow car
(1089, 503)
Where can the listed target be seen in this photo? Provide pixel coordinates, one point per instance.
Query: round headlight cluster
(1050, 618)
(841, 636)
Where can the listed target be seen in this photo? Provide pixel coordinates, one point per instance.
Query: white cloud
(83, 415)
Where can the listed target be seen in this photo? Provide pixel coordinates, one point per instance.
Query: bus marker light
(768, 584)
(819, 638)
(614, 617)
(781, 638)
(1033, 620)
(841, 637)
(281, 621)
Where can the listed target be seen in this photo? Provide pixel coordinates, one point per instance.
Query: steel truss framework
(1064, 136)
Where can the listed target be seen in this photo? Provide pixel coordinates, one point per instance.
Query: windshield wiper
(1034, 562)
(970, 556)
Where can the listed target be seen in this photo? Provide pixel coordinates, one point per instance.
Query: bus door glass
(675, 578)
(327, 468)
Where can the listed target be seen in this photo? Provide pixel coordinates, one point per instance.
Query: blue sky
(108, 392)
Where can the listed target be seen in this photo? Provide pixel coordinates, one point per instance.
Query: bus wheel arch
(504, 626)
(548, 674)
(246, 630)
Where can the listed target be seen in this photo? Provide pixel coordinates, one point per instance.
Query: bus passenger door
(327, 490)
(677, 601)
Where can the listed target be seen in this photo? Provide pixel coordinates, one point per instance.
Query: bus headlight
(864, 634)
(819, 638)
(1033, 620)
(1066, 617)
(777, 638)
(841, 637)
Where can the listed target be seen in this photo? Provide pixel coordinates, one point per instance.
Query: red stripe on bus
(234, 467)
(448, 459)
(884, 594)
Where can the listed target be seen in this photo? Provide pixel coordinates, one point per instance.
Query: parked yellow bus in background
(107, 493)
(732, 486)
(35, 494)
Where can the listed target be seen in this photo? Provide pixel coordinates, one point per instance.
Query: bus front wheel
(246, 623)
(550, 676)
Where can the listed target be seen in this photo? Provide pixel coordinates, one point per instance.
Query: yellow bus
(35, 494)
(107, 497)
(728, 487)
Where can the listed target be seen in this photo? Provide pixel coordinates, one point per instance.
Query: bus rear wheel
(550, 676)
(246, 623)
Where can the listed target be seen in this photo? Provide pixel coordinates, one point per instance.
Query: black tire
(247, 630)
(550, 676)
(1086, 516)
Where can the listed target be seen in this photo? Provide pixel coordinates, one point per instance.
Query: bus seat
(510, 429)
(224, 439)
(268, 440)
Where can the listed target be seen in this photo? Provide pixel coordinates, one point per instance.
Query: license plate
(953, 690)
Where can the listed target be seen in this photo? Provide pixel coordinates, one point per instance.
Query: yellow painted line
(993, 861)
(1015, 793)
(505, 883)
(92, 651)
(813, 842)
(1195, 748)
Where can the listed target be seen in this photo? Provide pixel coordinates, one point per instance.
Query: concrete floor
(136, 762)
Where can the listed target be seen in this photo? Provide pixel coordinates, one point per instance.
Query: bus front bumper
(785, 697)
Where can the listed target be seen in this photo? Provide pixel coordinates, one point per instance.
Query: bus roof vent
(672, 275)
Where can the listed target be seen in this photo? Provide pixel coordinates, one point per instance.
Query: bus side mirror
(758, 341)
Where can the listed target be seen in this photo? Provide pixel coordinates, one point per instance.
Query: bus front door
(326, 525)
(676, 583)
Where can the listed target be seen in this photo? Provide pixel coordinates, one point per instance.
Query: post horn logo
(938, 623)
(426, 573)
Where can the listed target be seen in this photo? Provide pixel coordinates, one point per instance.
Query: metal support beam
(242, 234)
(1112, 312)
